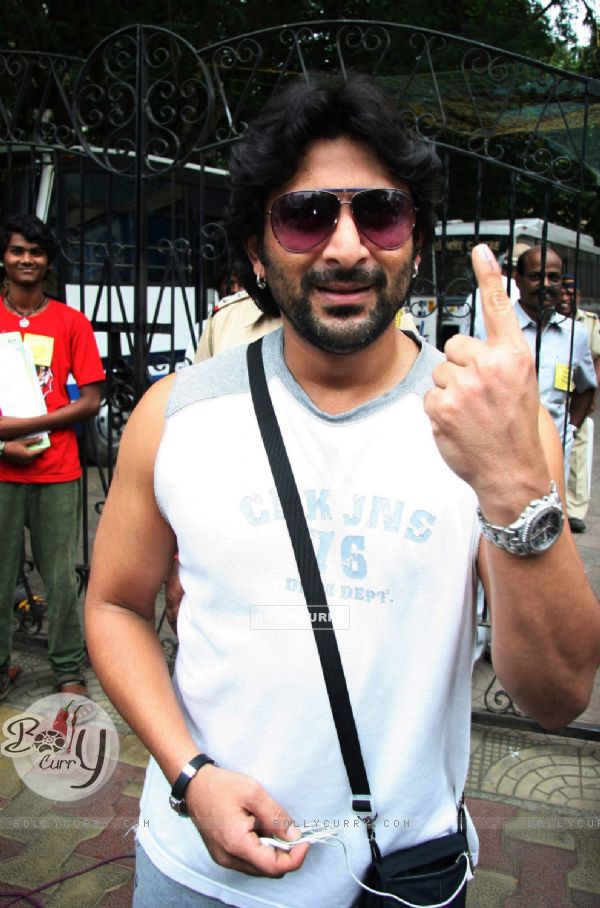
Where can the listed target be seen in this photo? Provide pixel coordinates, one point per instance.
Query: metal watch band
(176, 799)
(515, 538)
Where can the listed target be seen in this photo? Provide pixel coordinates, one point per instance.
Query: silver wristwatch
(537, 528)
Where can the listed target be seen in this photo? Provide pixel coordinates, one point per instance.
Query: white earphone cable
(332, 840)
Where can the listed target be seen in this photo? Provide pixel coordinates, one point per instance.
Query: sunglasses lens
(302, 220)
(385, 217)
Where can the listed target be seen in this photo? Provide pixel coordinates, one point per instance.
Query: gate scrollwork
(144, 97)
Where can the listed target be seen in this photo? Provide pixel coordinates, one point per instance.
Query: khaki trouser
(578, 493)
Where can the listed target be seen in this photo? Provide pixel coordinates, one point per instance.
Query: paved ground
(535, 800)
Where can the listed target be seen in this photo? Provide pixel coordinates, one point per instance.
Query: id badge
(561, 378)
(40, 347)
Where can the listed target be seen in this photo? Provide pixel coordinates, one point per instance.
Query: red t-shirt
(73, 352)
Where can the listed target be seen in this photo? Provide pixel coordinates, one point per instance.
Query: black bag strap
(316, 600)
(312, 584)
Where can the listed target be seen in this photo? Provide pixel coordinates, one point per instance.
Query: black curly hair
(33, 229)
(269, 153)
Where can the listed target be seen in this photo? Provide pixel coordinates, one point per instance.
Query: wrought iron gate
(125, 154)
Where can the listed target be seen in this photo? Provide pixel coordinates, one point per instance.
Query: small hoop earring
(415, 270)
(261, 282)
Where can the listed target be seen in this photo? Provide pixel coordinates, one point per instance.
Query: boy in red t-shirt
(40, 488)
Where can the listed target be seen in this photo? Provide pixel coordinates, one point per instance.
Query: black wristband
(176, 800)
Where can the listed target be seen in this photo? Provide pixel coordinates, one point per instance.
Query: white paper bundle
(20, 392)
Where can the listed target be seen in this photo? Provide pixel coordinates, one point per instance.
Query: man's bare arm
(490, 429)
(545, 617)
(124, 580)
(133, 551)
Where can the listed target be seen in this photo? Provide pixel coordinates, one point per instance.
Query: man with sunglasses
(393, 448)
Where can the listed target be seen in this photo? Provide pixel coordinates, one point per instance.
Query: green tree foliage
(61, 26)
(518, 26)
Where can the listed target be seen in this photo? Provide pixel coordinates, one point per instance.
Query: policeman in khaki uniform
(237, 320)
(578, 492)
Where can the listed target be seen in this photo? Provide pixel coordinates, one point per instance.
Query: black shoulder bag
(433, 874)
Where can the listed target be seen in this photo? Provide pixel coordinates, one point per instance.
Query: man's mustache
(373, 278)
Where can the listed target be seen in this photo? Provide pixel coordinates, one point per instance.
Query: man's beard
(341, 333)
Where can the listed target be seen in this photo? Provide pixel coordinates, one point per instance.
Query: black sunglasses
(305, 219)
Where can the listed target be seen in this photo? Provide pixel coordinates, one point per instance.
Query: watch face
(544, 529)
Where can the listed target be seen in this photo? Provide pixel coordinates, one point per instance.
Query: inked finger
(498, 315)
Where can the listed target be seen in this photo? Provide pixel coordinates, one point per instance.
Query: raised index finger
(498, 316)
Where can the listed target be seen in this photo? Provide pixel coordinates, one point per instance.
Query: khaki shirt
(592, 326)
(591, 323)
(238, 320)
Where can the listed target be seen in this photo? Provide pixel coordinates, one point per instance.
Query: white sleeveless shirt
(396, 536)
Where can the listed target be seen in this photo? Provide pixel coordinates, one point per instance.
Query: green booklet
(20, 392)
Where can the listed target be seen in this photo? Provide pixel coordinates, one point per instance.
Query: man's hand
(20, 453)
(231, 811)
(582, 404)
(485, 405)
(173, 595)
